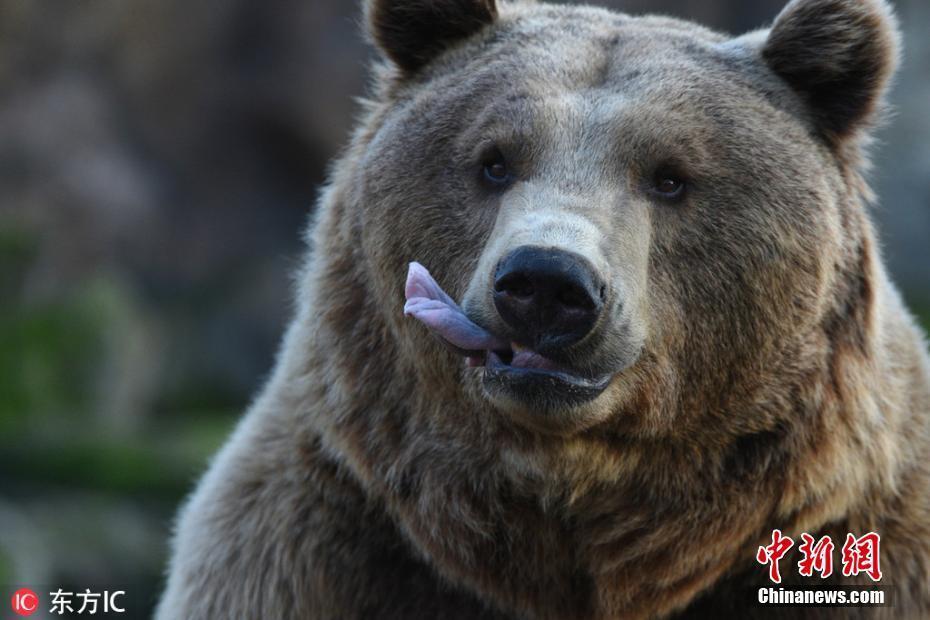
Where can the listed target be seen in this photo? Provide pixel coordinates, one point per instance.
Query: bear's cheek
(730, 285)
(413, 207)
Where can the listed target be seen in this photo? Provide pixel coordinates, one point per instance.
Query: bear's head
(658, 220)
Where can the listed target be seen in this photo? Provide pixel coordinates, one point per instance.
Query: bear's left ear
(412, 32)
(839, 55)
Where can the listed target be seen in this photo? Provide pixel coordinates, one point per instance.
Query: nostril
(516, 284)
(575, 298)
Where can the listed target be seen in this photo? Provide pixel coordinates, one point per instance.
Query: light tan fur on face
(769, 375)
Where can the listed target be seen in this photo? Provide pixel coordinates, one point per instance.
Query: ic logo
(25, 602)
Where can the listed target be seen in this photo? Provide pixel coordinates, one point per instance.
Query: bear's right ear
(838, 55)
(412, 32)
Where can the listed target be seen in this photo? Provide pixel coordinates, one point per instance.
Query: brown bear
(659, 329)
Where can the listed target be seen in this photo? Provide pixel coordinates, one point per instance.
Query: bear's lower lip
(544, 385)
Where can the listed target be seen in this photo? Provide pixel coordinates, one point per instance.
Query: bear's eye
(668, 185)
(495, 168)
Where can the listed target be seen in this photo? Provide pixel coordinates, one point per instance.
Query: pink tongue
(430, 305)
(531, 359)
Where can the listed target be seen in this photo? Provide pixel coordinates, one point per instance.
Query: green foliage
(18, 249)
(45, 348)
(46, 356)
(60, 353)
(921, 309)
(144, 469)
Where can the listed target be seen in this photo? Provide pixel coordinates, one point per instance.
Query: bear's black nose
(550, 298)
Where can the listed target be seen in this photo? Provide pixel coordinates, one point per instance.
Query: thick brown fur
(768, 374)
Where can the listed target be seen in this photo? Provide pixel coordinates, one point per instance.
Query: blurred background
(158, 160)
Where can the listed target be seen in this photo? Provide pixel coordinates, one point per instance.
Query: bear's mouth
(524, 364)
(507, 364)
